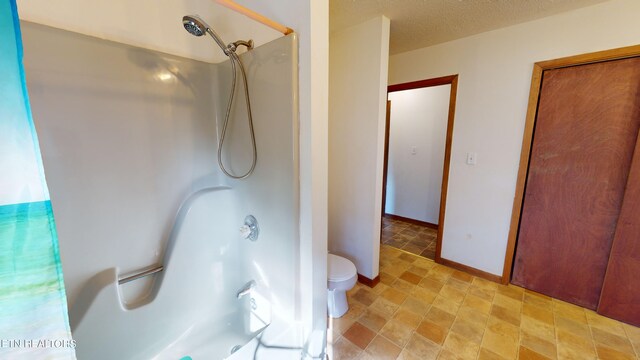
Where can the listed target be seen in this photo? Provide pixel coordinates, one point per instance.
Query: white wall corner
(358, 84)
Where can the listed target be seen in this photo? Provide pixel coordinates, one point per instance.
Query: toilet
(341, 276)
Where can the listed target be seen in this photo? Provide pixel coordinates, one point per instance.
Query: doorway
(417, 151)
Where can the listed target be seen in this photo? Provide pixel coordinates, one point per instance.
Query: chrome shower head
(197, 27)
(194, 25)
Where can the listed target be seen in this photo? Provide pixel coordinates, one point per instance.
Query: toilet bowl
(341, 276)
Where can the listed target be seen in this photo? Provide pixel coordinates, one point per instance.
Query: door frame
(529, 128)
(444, 80)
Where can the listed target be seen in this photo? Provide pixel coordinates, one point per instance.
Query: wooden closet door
(585, 133)
(620, 297)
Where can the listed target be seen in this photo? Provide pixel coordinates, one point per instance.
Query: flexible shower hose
(234, 58)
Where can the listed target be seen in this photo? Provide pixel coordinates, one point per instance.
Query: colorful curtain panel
(33, 307)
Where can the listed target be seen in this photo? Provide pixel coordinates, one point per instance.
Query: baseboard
(411, 221)
(470, 270)
(369, 282)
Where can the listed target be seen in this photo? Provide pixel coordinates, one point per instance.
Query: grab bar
(140, 274)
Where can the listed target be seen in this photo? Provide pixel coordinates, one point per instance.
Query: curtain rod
(255, 16)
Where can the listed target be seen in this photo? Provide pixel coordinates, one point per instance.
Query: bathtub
(193, 310)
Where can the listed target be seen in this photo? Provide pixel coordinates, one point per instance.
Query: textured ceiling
(420, 23)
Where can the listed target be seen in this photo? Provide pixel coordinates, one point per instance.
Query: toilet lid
(340, 268)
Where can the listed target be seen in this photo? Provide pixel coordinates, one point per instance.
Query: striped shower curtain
(33, 307)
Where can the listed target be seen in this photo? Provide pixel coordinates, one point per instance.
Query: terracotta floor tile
(461, 347)
(573, 327)
(462, 276)
(507, 302)
(538, 313)
(422, 348)
(359, 335)
(343, 349)
(379, 288)
(489, 355)
(413, 249)
(569, 311)
(607, 353)
(397, 332)
(481, 305)
(411, 277)
(537, 328)
(484, 284)
(384, 306)
(612, 341)
(420, 271)
(528, 354)
(446, 305)
(438, 276)
(604, 323)
(355, 310)
(513, 292)
(431, 284)
(452, 294)
(533, 298)
(387, 278)
(364, 296)
(544, 347)
(450, 315)
(424, 295)
(406, 257)
(373, 320)
(440, 317)
(402, 285)
(568, 341)
(416, 306)
(383, 349)
(447, 355)
(508, 315)
(432, 331)
(407, 317)
(499, 344)
(570, 353)
(394, 270)
(406, 355)
(484, 294)
(460, 285)
(473, 316)
(395, 296)
(427, 264)
(507, 330)
(469, 330)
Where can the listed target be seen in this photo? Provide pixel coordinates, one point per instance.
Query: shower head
(194, 25)
(197, 27)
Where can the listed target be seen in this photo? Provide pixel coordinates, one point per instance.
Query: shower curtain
(34, 323)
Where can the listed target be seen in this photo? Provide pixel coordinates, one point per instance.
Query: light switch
(414, 150)
(472, 158)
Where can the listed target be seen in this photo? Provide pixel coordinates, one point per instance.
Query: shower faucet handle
(245, 231)
(250, 229)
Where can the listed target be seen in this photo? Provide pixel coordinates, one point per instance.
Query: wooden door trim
(444, 80)
(385, 168)
(527, 139)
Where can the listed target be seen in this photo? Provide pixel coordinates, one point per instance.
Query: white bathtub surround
(138, 144)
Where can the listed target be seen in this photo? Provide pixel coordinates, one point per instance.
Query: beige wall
(358, 89)
(495, 75)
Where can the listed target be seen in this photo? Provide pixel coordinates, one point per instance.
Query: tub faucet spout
(246, 289)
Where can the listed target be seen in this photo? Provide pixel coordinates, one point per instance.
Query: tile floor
(422, 310)
(416, 239)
